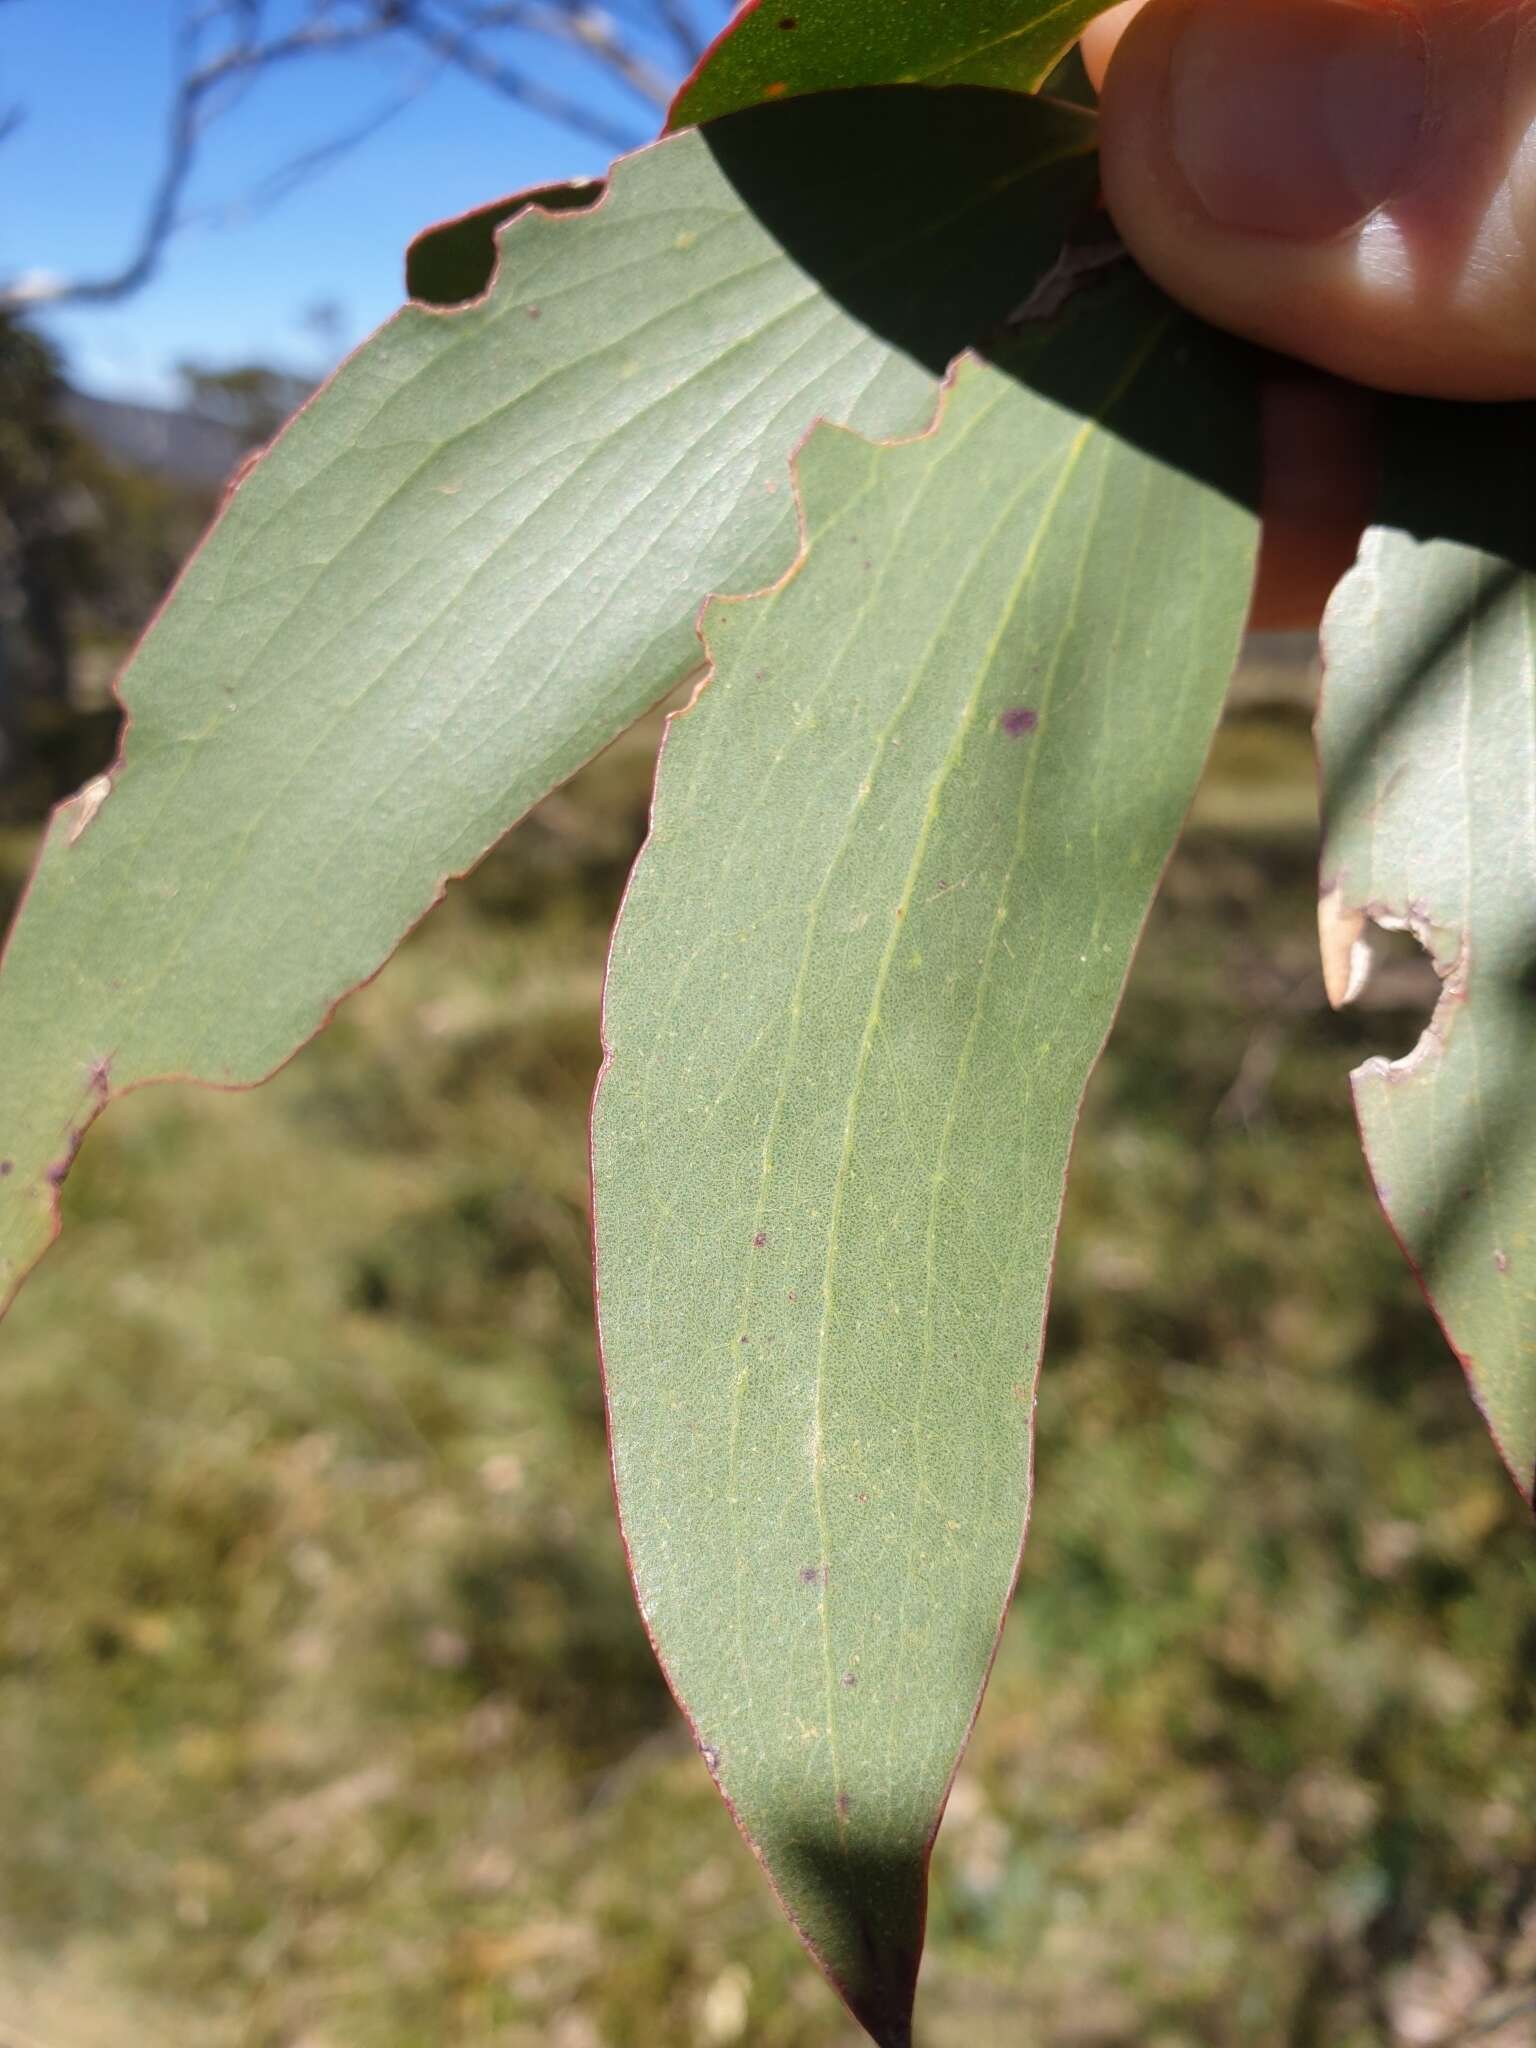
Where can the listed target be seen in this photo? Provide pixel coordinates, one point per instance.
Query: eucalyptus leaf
(1428, 750)
(474, 558)
(902, 848)
(775, 49)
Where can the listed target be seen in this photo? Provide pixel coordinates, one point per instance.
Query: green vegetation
(327, 1718)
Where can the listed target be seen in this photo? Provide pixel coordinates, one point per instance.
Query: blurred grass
(327, 1721)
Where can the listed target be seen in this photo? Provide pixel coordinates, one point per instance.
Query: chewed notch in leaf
(1396, 958)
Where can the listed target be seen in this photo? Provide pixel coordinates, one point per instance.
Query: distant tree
(87, 550)
(39, 525)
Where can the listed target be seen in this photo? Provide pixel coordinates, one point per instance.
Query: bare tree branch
(224, 49)
(585, 28)
(466, 53)
(298, 170)
(690, 45)
(190, 116)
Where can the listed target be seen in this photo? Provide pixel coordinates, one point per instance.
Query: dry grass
(326, 1717)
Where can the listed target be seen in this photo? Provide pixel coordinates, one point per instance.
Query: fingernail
(1297, 117)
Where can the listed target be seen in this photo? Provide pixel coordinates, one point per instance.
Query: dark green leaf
(778, 48)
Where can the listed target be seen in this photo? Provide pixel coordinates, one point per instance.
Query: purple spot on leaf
(760, 1240)
(58, 1172)
(1018, 721)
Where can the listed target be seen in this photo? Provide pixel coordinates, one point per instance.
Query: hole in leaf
(1379, 963)
(1404, 989)
(453, 263)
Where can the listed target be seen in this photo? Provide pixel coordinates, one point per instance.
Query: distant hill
(184, 446)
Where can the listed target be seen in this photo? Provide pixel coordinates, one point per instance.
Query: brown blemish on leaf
(813, 1575)
(89, 802)
(776, 91)
(850, 1680)
(1019, 721)
(710, 1754)
(844, 1806)
(7, 1166)
(1346, 951)
(788, 21)
(58, 1171)
(760, 1240)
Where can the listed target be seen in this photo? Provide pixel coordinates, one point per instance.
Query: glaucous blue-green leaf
(1428, 740)
(902, 847)
(774, 49)
(477, 555)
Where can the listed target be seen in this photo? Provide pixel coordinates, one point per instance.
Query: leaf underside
(775, 49)
(1428, 751)
(474, 558)
(903, 844)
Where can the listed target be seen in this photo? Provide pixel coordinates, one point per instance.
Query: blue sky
(94, 79)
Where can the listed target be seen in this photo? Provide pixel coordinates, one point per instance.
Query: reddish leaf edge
(671, 125)
(875, 2025)
(1335, 906)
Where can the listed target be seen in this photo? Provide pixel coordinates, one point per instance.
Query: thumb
(1350, 181)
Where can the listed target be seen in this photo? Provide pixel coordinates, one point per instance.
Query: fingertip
(1340, 180)
(1102, 34)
